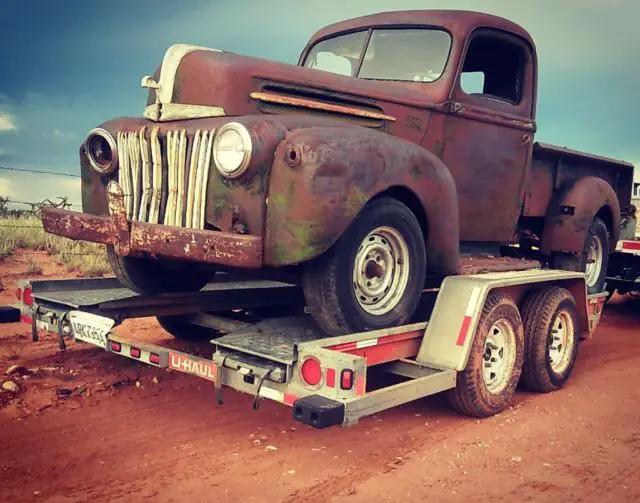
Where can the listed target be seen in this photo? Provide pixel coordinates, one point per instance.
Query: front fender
(323, 176)
(571, 212)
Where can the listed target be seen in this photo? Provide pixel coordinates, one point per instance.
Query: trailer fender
(450, 332)
(572, 210)
(323, 176)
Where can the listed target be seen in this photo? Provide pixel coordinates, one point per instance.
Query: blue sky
(67, 66)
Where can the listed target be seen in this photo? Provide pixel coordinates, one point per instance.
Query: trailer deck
(265, 345)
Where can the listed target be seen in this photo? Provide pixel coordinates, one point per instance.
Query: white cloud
(7, 123)
(33, 188)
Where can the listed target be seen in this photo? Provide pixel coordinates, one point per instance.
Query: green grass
(88, 259)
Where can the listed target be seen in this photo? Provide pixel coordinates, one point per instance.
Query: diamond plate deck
(273, 339)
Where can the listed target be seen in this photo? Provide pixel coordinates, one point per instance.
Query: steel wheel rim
(381, 271)
(499, 356)
(594, 261)
(560, 342)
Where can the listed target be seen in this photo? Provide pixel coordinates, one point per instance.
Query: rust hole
(293, 155)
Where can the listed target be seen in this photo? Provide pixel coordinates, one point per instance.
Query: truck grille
(164, 180)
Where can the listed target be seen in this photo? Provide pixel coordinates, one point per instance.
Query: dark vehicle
(400, 144)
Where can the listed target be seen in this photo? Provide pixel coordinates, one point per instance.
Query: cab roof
(458, 22)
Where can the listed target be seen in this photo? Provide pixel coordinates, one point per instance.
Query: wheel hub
(560, 342)
(381, 270)
(594, 261)
(499, 356)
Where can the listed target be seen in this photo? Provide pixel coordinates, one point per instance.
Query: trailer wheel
(594, 259)
(186, 331)
(487, 384)
(151, 276)
(551, 338)
(372, 278)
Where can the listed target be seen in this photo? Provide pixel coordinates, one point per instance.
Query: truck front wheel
(593, 260)
(372, 278)
(151, 276)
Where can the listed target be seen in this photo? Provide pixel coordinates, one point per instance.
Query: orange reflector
(311, 371)
(135, 352)
(19, 293)
(154, 358)
(346, 379)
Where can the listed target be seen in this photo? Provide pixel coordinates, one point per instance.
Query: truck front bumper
(135, 238)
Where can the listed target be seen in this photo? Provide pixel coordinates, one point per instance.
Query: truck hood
(197, 82)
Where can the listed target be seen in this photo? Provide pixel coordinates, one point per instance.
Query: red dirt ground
(129, 433)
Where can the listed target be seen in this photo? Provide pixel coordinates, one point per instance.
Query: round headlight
(232, 150)
(102, 151)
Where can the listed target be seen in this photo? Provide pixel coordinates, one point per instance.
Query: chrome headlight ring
(101, 150)
(232, 150)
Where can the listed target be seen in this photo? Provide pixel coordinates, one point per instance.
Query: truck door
(488, 133)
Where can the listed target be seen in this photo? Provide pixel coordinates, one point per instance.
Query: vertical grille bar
(204, 183)
(134, 153)
(181, 171)
(191, 184)
(125, 172)
(156, 193)
(146, 176)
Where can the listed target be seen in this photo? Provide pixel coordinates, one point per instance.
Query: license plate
(90, 328)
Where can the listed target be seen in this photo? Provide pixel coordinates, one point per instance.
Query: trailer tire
(186, 331)
(550, 316)
(596, 244)
(479, 392)
(373, 277)
(152, 276)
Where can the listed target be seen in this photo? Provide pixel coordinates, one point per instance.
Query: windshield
(413, 55)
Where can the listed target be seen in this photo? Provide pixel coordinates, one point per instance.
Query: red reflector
(311, 372)
(154, 358)
(27, 298)
(19, 293)
(346, 379)
(135, 352)
(116, 347)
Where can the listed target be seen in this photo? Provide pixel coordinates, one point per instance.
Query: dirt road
(87, 426)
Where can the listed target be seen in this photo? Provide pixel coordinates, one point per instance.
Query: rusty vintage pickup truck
(399, 144)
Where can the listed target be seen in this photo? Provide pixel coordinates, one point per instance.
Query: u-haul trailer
(484, 334)
(623, 272)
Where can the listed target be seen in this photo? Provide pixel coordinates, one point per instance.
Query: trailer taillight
(19, 293)
(346, 379)
(311, 371)
(154, 358)
(116, 347)
(135, 352)
(27, 297)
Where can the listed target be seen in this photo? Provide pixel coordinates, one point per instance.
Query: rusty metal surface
(188, 244)
(74, 225)
(572, 210)
(312, 204)
(203, 246)
(318, 105)
(479, 265)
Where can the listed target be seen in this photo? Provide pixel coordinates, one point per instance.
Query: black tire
(151, 276)
(540, 311)
(186, 331)
(328, 283)
(569, 262)
(472, 395)
(9, 314)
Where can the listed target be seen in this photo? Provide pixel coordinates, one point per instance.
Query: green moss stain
(355, 199)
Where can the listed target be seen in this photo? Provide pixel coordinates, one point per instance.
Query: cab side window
(494, 68)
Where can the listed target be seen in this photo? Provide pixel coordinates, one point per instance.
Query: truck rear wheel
(551, 338)
(150, 276)
(487, 384)
(593, 260)
(373, 276)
